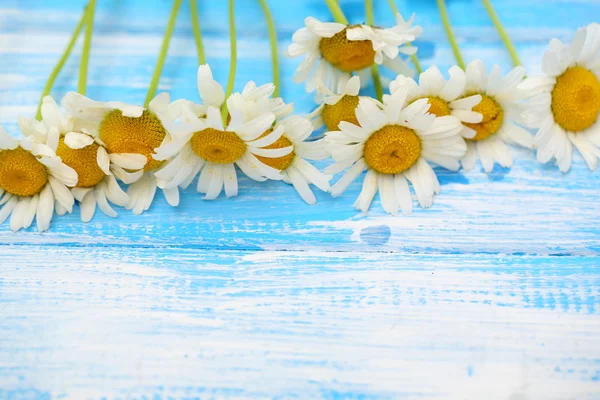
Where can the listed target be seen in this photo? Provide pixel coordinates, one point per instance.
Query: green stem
(87, 44)
(503, 35)
(450, 33)
(61, 62)
(377, 82)
(197, 33)
(163, 53)
(374, 67)
(273, 40)
(414, 57)
(336, 11)
(232, 64)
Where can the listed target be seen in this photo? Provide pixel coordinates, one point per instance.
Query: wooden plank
(129, 323)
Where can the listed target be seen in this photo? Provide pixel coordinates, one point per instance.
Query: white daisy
(564, 105)
(500, 109)
(394, 145)
(333, 51)
(446, 97)
(124, 130)
(337, 106)
(388, 44)
(83, 152)
(296, 130)
(205, 146)
(32, 178)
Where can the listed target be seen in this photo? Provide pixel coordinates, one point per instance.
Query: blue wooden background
(491, 294)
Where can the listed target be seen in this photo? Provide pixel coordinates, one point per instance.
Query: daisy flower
(294, 166)
(333, 51)
(564, 104)
(500, 108)
(83, 152)
(339, 106)
(446, 97)
(394, 145)
(124, 130)
(212, 149)
(32, 179)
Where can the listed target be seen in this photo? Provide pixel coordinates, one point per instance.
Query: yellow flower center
(347, 55)
(392, 149)
(21, 173)
(83, 161)
(133, 135)
(493, 117)
(438, 107)
(343, 110)
(576, 99)
(280, 163)
(220, 147)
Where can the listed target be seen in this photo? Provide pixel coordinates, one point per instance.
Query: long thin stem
(163, 53)
(273, 40)
(197, 33)
(414, 57)
(374, 67)
(61, 62)
(87, 45)
(232, 64)
(502, 32)
(336, 11)
(450, 33)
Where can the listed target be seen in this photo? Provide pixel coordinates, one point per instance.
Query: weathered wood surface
(493, 293)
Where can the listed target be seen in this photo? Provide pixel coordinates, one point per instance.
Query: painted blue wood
(134, 323)
(492, 293)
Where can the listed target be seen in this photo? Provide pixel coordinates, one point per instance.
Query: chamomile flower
(500, 109)
(212, 149)
(339, 106)
(96, 184)
(32, 179)
(564, 104)
(294, 166)
(446, 97)
(124, 130)
(394, 145)
(333, 51)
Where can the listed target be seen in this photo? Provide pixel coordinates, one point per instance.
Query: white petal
(76, 140)
(45, 209)
(61, 193)
(230, 180)
(340, 186)
(88, 207)
(102, 202)
(128, 161)
(103, 160)
(7, 142)
(369, 188)
(8, 208)
(301, 185)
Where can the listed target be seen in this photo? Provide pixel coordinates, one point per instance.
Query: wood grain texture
(134, 323)
(493, 293)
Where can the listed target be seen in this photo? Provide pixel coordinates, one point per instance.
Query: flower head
(500, 109)
(87, 155)
(334, 51)
(205, 145)
(394, 143)
(32, 179)
(294, 167)
(564, 104)
(339, 106)
(445, 97)
(127, 132)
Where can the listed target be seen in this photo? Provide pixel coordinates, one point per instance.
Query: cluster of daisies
(103, 153)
